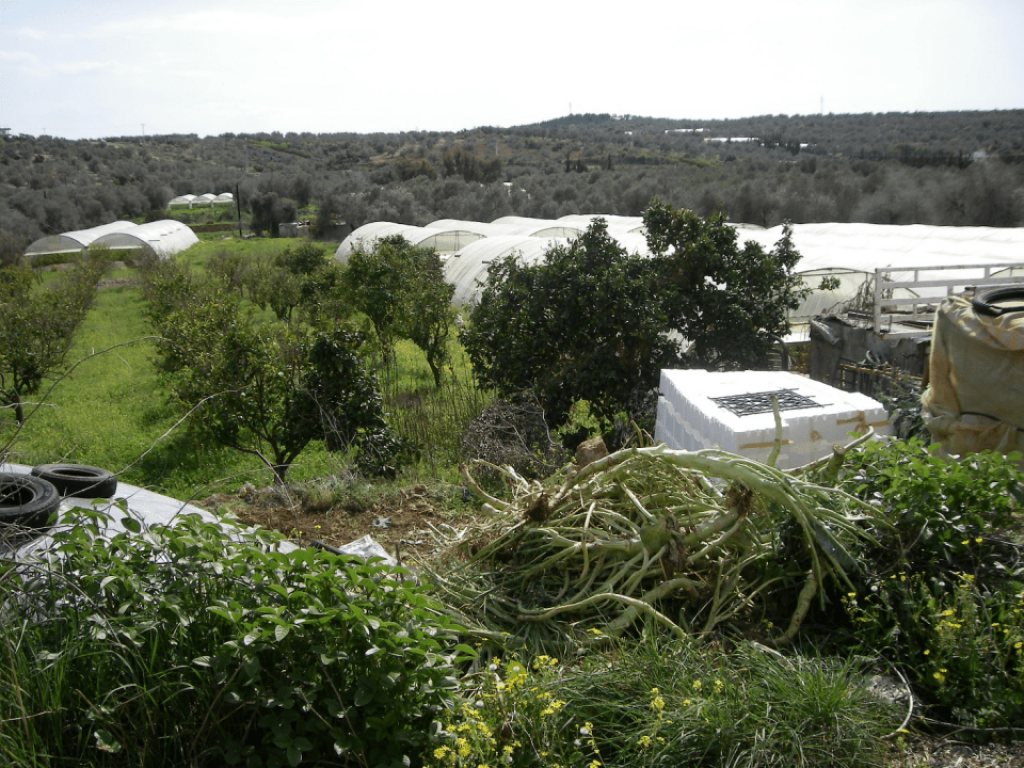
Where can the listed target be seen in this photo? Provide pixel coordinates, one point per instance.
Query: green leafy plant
(162, 645)
(510, 714)
(943, 596)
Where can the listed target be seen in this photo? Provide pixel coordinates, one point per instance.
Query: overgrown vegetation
(618, 614)
(179, 645)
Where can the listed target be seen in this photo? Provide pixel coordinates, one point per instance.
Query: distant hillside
(956, 168)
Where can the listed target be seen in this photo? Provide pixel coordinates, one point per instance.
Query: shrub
(943, 596)
(162, 646)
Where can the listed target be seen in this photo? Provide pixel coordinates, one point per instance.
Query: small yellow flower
(978, 540)
(926, 652)
(696, 685)
(440, 752)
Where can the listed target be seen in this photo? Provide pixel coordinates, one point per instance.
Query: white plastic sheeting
(851, 253)
(689, 419)
(443, 239)
(467, 269)
(165, 237)
(75, 241)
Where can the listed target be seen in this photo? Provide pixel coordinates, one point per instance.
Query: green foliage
(582, 325)
(303, 278)
(935, 504)
(943, 595)
(269, 211)
(661, 704)
(510, 714)
(266, 389)
(37, 327)
(729, 303)
(402, 290)
(176, 645)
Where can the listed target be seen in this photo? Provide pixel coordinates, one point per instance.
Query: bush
(171, 645)
(942, 597)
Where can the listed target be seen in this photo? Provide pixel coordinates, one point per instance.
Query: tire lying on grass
(78, 480)
(27, 501)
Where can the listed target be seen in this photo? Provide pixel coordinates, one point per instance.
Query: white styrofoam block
(688, 419)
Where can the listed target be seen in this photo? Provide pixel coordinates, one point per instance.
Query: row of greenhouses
(164, 238)
(851, 254)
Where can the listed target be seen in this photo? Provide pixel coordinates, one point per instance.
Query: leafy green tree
(304, 278)
(327, 211)
(729, 303)
(402, 290)
(37, 327)
(269, 211)
(266, 389)
(584, 324)
(593, 322)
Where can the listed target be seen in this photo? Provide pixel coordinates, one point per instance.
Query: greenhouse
(181, 200)
(165, 238)
(75, 241)
(848, 254)
(467, 269)
(444, 240)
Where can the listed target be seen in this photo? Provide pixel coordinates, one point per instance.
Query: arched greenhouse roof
(898, 248)
(848, 252)
(367, 236)
(181, 200)
(165, 237)
(522, 225)
(444, 240)
(75, 241)
(467, 269)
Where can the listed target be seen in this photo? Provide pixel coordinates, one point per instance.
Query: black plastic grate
(761, 402)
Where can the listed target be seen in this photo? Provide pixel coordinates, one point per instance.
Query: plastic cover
(975, 395)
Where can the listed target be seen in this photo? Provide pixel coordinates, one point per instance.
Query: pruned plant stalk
(703, 536)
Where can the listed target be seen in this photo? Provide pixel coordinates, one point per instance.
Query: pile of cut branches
(693, 540)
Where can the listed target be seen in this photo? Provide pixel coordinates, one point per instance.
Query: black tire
(78, 480)
(27, 501)
(984, 301)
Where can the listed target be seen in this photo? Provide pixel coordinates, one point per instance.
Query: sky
(102, 68)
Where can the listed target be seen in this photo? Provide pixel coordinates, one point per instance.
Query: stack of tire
(32, 501)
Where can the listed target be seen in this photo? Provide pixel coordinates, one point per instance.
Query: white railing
(919, 307)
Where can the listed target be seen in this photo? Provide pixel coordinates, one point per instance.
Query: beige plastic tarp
(975, 395)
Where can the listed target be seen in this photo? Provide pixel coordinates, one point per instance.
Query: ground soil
(410, 523)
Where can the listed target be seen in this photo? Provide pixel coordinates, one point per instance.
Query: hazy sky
(83, 69)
